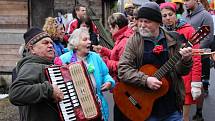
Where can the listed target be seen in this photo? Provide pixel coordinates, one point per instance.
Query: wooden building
(13, 23)
(16, 16)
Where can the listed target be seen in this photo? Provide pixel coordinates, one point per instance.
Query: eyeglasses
(134, 18)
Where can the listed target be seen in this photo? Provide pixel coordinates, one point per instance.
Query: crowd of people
(148, 36)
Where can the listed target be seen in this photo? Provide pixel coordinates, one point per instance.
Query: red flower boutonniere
(158, 49)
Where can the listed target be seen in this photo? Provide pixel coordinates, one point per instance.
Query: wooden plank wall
(13, 14)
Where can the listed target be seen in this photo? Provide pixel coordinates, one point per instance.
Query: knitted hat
(34, 35)
(170, 5)
(151, 11)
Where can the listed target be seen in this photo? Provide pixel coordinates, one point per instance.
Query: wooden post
(39, 10)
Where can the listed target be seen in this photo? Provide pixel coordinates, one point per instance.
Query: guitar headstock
(202, 32)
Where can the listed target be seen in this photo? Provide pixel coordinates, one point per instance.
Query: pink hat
(168, 5)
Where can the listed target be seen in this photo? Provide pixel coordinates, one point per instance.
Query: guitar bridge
(132, 100)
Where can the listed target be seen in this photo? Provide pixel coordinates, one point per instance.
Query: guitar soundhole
(132, 100)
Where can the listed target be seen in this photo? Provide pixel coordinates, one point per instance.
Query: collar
(196, 10)
(121, 33)
(169, 38)
(160, 36)
(180, 23)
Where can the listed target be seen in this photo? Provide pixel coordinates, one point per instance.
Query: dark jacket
(132, 60)
(93, 39)
(31, 91)
(198, 18)
(58, 47)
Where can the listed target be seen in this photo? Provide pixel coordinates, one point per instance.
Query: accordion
(80, 102)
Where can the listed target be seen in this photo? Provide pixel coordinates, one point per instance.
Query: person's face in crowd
(81, 12)
(190, 4)
(168, 17)
(130, 18)
(113, 30)
(129, 10)
(84, 44)
(43, 48)
(60, 31)
(178, 5)
(147, 28)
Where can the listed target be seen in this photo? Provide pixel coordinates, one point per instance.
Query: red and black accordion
(80, 102)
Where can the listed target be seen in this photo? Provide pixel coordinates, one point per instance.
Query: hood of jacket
(197, 10)
(123, 32)
(32, 59)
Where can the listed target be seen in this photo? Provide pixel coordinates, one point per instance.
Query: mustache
(51, 50)
(144, 29)
(145, 32)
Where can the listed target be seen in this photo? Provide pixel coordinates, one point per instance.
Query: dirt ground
(8, 112)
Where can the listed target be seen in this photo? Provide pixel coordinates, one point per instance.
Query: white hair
(75, 37)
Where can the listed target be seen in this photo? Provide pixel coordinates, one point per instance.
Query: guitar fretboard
(167, 66)
(196, 37)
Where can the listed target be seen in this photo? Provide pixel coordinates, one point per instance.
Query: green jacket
(31, 91)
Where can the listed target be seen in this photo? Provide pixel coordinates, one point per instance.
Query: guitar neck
(167, 66)
(196, 38)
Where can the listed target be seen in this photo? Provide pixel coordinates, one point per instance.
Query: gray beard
(144, 32)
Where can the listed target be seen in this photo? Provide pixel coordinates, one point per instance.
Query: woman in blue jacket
(79, 50)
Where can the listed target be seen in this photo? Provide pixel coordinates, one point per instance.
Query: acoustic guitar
(136, 103)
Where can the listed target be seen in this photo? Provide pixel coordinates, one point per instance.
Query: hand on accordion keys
(57, 94)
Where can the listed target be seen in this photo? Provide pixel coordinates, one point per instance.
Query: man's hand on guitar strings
(186, 53)
(153, 83)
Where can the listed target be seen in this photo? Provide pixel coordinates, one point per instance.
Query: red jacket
(111, 57)
(74, 24)
(195, 74)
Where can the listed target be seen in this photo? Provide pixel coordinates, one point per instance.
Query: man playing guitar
(153, 45)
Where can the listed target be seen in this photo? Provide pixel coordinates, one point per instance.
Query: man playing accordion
(31, 91)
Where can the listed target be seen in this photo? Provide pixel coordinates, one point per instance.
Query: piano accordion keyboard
(66, 107)
(79, 100)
